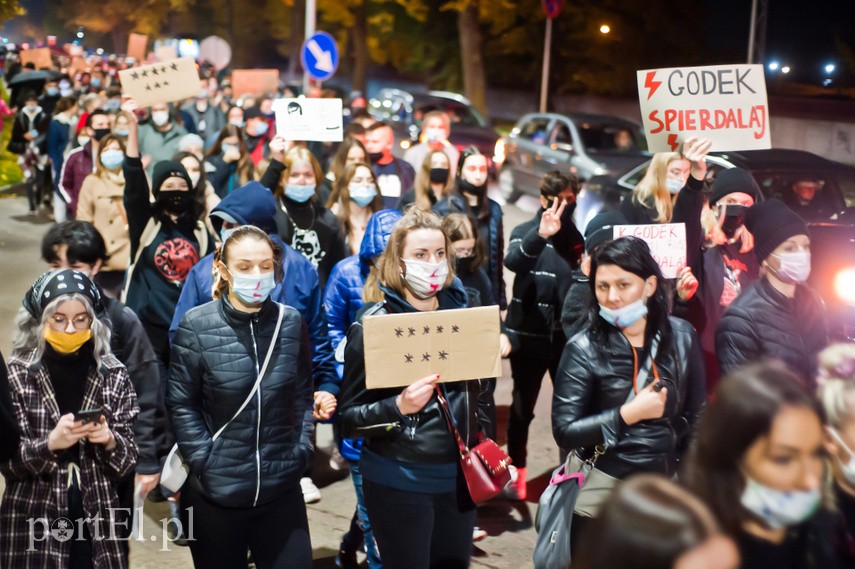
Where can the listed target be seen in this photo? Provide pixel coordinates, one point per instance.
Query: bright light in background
(785, 69)
(605, 28)
(774, 65)
(844, 286)
(829, 68)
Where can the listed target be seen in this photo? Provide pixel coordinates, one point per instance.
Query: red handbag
(485, 466)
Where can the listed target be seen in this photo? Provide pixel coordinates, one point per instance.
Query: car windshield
(815, 195)
(610, 137)
(459, 113)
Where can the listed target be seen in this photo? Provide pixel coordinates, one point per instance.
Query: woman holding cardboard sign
(421, 514)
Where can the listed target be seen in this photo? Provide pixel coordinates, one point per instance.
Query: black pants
(527, 371)
(80, 554)
(420, 531)
(276, 533)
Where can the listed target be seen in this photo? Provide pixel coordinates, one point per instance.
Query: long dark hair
(647, 523)
(483, 200)
(632, 255)
(745, 406)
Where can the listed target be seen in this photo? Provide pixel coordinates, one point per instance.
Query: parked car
(405, 110)
(830, 214)
(586, 145)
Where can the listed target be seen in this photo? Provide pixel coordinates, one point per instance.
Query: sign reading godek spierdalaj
(309, 119)
(725, 103)
(667, 242)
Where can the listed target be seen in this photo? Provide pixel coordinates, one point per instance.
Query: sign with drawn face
(725, 103)
(309, 119)
(161, 82)
(457, 344)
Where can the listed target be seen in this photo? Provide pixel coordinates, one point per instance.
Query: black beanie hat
(734, 180)
(168, 169)
(601, 229)
(771, 223)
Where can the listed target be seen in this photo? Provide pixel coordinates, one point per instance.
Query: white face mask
(82, 140)
(848, 469)
(795, 266)
(425, 279)
(160, 118)
(194, 177)
(779, 509)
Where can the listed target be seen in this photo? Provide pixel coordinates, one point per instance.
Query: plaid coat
(36, 484)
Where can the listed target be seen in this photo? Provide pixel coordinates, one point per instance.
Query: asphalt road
(509, 524)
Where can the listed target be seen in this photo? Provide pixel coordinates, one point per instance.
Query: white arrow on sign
(323, 58)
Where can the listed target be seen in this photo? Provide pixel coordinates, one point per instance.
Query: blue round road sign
(552, 8)
(319, 56)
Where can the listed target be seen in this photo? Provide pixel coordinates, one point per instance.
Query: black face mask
(734, 218)
(438, 175)
(472, 189)
(175, 202)
(375, 157)
(100, 133)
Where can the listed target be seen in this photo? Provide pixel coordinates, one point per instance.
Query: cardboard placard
(309, 119)
(725, 103)
(73, 50)
(161, 82)
(254, 81)
(79, 64)
(40, 57)
(458, 345)
(165, 53)
(667, 242)
(137, 44)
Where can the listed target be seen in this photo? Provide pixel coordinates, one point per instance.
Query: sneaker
(346, 558)
(478, 534)
(516, 489)
(311, 494)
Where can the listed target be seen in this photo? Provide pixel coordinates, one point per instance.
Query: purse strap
(446, 412)
(644, 370)
(260, 373)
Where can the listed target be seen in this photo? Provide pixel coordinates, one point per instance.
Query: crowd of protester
(207, 281)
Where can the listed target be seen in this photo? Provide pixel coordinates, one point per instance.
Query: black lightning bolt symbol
(455, 329)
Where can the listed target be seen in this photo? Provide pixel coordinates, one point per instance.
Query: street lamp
(774, 65)
(829, 68)
(605, 28)
(785, 69)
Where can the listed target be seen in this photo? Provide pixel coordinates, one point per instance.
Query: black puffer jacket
(373, 414)
(762, 322)
(215, 358)
(593, 383)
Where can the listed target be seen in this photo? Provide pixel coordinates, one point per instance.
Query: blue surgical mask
(225, 233)
(112, 158)
(625, 315)
(253, 289)
(362, 195)
(121, 132)
(260, 128)
(95, 82)
(230, 147)
(298, 193)
(674, 186)
(112, 105)
(779, 509)
(52, 91)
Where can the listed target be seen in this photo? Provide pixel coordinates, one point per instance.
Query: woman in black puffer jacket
(600, 400)
(244, 486)
(420, 510)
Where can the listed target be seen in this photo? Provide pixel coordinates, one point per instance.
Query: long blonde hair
(652, 190)
(837, 382)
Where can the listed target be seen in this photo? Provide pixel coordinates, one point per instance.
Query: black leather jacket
(593, 383)
(216, 356)
(420, 438)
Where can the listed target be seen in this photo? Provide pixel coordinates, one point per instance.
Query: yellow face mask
(65, 343)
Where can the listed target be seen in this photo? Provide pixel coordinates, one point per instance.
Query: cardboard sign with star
(457, 344)
(161, 82)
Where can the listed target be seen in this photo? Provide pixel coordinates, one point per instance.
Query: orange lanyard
(635, 369)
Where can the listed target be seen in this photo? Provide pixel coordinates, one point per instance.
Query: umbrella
(40, 75)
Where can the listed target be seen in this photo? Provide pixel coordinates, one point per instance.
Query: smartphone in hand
(89, 415)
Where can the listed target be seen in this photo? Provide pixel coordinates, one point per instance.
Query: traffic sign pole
(311, 22)
(547, 52)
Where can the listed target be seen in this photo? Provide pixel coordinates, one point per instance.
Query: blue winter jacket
(253, 204)
(343, 294)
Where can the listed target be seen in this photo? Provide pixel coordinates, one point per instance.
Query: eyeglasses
(79, 322)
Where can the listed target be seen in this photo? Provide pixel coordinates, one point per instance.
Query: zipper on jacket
(468, 421)
(387, 426)
(413, 424)
(258, 424)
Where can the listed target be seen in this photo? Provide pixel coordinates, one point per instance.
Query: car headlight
(844, 285)
(499, 152)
